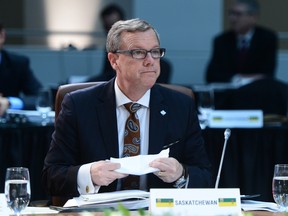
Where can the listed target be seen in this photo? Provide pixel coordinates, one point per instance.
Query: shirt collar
(248, 36)
(121, 98)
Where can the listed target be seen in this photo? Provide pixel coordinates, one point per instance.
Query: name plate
(236, 119)
(199, 202)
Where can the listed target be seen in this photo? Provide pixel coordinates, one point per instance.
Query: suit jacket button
(87, 189)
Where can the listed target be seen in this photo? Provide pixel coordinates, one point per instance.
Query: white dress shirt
(247, 37)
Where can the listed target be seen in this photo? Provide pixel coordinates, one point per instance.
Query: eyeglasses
(236, 13)
(142, 53)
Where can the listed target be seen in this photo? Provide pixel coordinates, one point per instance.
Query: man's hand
(103, 173)
(4, 105)
(170, 169)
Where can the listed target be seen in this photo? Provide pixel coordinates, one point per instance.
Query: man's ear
(112, 57)
(2, 37)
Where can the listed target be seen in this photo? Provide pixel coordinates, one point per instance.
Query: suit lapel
(254, 40)
(4, 63)
(159, 113)
(107, 122)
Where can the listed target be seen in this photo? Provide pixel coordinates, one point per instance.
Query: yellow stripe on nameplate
(164, 202)
(216, 118)
(253, 118)
(227, 202)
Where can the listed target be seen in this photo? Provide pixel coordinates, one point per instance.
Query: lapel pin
(163, 112)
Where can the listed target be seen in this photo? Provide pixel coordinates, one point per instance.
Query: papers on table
(113, 199)
(252, 205)
(30, 113)
(113, 196)
(24, 116)
(131, 199)
(139, 165)
(5, 210)
(38, 210)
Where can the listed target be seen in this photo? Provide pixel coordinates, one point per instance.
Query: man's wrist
(181, 182)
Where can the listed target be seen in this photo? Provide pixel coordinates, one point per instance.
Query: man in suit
(16, 77)
(247, 51)
(90, 127)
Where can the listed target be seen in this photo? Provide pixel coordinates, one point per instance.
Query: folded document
(114, 196)
(139, 165)
(131, 199)
(252, 205)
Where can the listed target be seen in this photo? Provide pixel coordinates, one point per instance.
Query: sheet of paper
(5, 210)
(139, 165)
(32, 116)
(113, 196)
(252, 205)
(111, 199)
(129, 204)
(39, 210)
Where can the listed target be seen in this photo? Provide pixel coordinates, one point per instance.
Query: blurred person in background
(245, 52)
(109, 15)
(16, 78)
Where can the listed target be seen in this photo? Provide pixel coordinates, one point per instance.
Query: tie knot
(132, 107)
(244, 43)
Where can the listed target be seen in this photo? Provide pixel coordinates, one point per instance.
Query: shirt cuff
(15, 103)
(84, 181)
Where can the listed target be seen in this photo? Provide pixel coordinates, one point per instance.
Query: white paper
(39, 210)
(129, 204)
(112, 199)
(29, 112)
(5, 210)
(114, 196)
(139, 165)
(252, 205)
(32, 115)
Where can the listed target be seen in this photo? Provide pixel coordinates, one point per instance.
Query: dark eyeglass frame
(238, 13)
(133, 53)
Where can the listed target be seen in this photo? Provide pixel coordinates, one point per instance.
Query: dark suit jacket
(261, 57)
(86, 131)
(16, 77)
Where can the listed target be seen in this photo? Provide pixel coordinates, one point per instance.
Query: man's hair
(113, 42)
(110, 9)
(1, 26)
(252, 5)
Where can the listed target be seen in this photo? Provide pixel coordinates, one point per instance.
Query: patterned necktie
(131, 143)
(242, 55)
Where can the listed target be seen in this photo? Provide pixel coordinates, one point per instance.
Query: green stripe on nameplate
(217, 118)
(164, 202)
(227, 202)
(253, 118)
